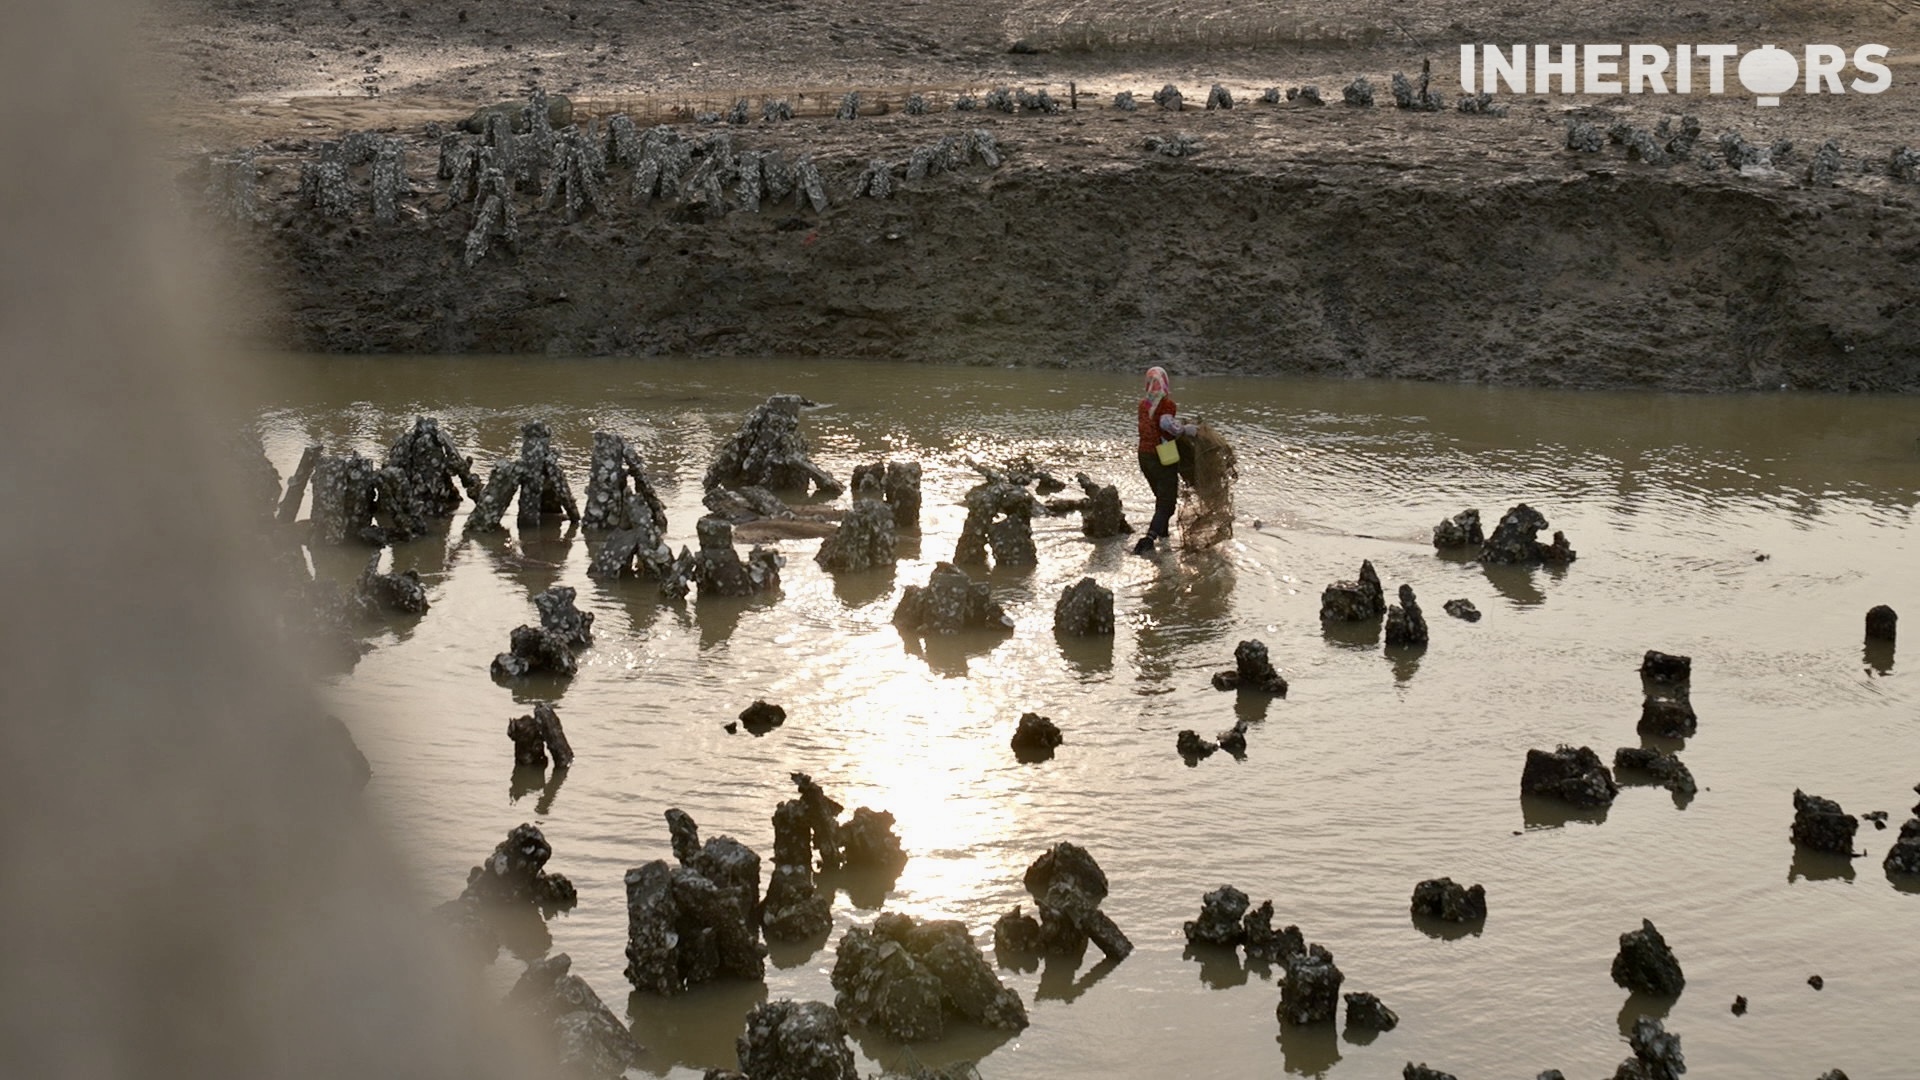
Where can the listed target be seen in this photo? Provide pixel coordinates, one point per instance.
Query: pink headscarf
(1156, 386)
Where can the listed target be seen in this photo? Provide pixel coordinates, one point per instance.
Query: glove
(1191, 430)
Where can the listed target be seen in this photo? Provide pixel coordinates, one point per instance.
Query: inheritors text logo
(1766, 72)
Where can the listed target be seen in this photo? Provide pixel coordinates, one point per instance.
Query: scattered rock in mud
(776, 110)
(1016, 936)
(1271, 96)
(1311, 992)
(1067, 886)
(1739, 1005)
(1824, 169)
(537, 735)
(1100, 513)
(1220, 921)
(916, 105)
(1821, 825)
(980, 144)
(1219, 98)
(517, 114)
(1035, 738)
(618, 493)
(1570, 774)
(1418, 98)
(1668, 713)
(875, 181)
(906, 978)
(949, 603)
(1366, 1011)
(717, 569)
(899, 486)
(1462, 609)
(748, 503)
(544, 492)
(1904, 164)
(1881, 621)
(1643, 146)
(849, 107)
(1656, 1053)
(1358, 93)
(579, 174)
(1253, 671)
(323, 184)
(694, 923)
(1192, 747)
(1177, 145)
(585, 1037)
(1444, 898)
(867, 842)
(1265, 943)
(417, 483)
(865, 539)
(1307, 95)
(1904, 856)
(823, 819)
(794, 910)
(1000, 517)
(401, 593)
(1585, 137)
(1513, 540)
(1406, 626)
(638, 551)
(1646, 965)
(1459, 531)
(1361, 600)
(1741, 155)
(1084, 608)
(515, 873)
(535, 480)
(1124, 101)
(558, 614)
(1816, 982)
(343, 501)
(1035, 101)
(533, 650)
(1666, 668)
(1234, 741)
(1481, 105)
(789, 1040)
(1672, 773)
(762, 717)
(770, 451)
(1421, 1072)
(1168, 97)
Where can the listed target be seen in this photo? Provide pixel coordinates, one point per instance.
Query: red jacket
(1150, 433)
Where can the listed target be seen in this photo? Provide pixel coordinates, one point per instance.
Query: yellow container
(1169, 452)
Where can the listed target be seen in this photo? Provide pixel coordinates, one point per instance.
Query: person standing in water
(1158, 424)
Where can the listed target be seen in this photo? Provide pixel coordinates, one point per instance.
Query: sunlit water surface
(1374, 773)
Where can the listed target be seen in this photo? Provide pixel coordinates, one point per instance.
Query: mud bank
(1478, 253)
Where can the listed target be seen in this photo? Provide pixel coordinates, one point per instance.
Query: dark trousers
(1165, 482)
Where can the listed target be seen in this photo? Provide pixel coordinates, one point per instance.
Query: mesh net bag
(1208, 466)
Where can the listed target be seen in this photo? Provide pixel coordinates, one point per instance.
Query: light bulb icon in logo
(1768, 72)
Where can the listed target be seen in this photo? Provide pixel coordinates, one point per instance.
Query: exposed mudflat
(1362, 241)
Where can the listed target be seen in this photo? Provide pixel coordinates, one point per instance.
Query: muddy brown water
(1374, 773)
